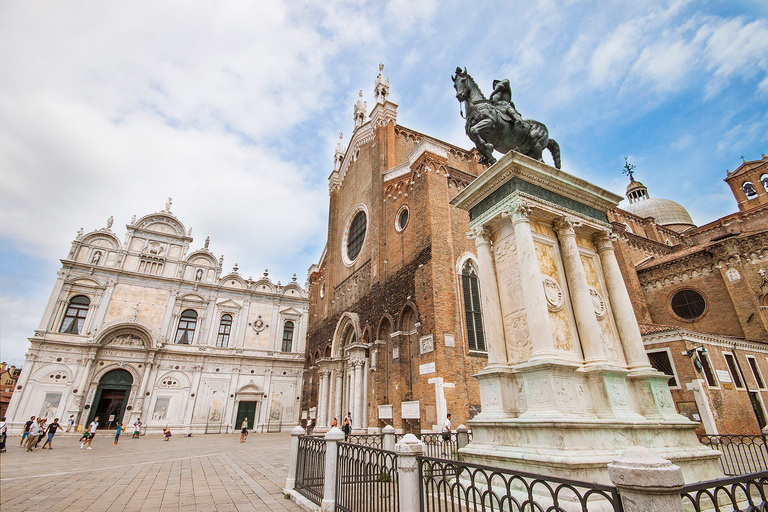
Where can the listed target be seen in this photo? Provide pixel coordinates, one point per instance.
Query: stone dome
(666, 212)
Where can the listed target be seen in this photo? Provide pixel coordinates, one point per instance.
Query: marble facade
(568, 385)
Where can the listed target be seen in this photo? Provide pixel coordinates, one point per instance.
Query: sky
(234, 109)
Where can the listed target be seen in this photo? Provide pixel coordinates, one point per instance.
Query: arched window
(287, 336)
(472, 308)
(224, 328)
(186, 329)
(74, 318)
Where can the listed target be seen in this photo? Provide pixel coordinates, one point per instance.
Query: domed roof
(664, 211)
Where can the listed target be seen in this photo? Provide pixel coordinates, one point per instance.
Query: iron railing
(452, 486)
(742, 454)
(437, 447)
(745, 493)
(371, 440)
(366, 479)
(310, 468)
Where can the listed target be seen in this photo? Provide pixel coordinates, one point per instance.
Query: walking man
(34, 431)
(52, 428)
(26, 430)
(70, 422)
(446, 433)
(91, 432)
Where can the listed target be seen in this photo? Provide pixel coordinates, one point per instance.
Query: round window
(356, 235)
(401, 219)
(688, 304)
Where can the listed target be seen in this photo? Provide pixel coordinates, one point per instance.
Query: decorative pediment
(291, 312)
(228, 304)
(192, 298)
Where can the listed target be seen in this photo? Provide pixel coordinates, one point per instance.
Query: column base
(650, 389)
(551, 389)
(501, 393)
(610, 397)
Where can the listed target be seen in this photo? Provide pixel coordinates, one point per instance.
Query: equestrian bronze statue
(496, 124)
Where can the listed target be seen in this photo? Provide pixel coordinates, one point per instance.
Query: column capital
(324, 373)
(566, 226)
(357, 362)
(480, 235)
(518, 211)
(604, 240)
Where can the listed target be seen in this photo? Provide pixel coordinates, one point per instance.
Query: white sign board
(723, 375)
(450, 341)
(410, 410)
(425, 369)
(426, 344)
(385, 412)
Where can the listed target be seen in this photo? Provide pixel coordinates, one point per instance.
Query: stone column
(623, 313)
(357, 411)
(531, 287)
(462, 437)
(493, 322)
(293, 457)
(388, 440)
(647, 481)
(339, 391)
(322, 398)
(408, 449)
(331, 457)
(581, 299)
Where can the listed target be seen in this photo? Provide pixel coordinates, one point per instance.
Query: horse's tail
(554, 148)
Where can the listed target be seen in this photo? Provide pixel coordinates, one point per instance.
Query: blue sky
(234, 108)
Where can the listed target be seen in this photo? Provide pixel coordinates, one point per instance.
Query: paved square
(213, 472)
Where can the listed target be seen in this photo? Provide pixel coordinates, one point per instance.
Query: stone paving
(211, 472)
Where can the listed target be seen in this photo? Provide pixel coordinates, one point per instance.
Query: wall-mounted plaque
(410, 410)
(385, 412)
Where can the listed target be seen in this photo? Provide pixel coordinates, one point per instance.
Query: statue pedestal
(570, 386)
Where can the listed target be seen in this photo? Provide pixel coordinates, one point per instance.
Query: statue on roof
(110, 220)
(168, 205)
(496, 124)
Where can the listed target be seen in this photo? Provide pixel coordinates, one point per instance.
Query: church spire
(361, 108)
(381, 88)
(338, 156)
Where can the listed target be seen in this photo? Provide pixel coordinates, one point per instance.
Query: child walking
(118, 432)
(167, 434)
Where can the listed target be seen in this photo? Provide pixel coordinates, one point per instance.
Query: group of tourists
(34, 431)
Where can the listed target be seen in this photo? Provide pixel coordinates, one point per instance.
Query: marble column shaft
(357, 412)
(491, 306)
(339, 391)
(581, 299)
(531, 287)
(322, 399)
(623, 312)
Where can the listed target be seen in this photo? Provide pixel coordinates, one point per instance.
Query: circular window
(354, 237)
(401, 219)
(688, 304)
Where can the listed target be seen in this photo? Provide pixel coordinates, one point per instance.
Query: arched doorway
(111, 398)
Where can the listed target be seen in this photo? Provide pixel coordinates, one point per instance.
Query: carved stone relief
(553, 293)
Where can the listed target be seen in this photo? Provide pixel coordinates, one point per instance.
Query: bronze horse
(490, 127)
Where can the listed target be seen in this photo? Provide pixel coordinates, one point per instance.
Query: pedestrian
(91, 432)
(309, 426)
(244, 430)
(41, 435)
(118, 432)
(84, 437)
(346, 427)
(52, 428)
(335, 423)
(167, 434)
(70, 422)
(136, 428)
(26, 430)
(446, 433)
(3, 434)
(34, 431)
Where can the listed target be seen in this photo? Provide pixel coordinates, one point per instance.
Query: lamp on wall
(693, 353)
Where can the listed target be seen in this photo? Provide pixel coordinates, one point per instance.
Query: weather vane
(629, 169)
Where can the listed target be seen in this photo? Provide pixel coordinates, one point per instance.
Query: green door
(111, 398)
(246, 410)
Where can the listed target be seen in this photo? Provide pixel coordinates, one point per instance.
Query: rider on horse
(502, 98)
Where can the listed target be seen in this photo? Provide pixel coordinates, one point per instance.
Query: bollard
(408, 449)
(331, 452)
(462, 437)
(293, 458)
(647, 482)
(388, 441)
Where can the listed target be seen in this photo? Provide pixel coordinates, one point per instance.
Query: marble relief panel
(609, 334)
(558, 317)
(513, 307)
(258, 332)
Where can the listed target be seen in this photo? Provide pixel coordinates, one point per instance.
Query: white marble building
(147, 328)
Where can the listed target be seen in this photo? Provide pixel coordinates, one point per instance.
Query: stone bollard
(293, 458)
(462, 437)
(647, 482)
(407, 450)
(388, 441)
(331, 458)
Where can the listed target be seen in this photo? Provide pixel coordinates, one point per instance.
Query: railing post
(407, 450)
(293, 458)
(331, 452)
(388, 438)
(647, 481)
(462, 437)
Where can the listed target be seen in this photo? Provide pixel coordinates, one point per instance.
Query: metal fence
(310, 468)
(742, 455)
(744, 493)
(453, 486)
(372, 440)
(437, 447)
(366, 479)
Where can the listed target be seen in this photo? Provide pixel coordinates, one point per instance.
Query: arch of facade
(347, 332)
(101, 371)
(120, 372)
(126, 335)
